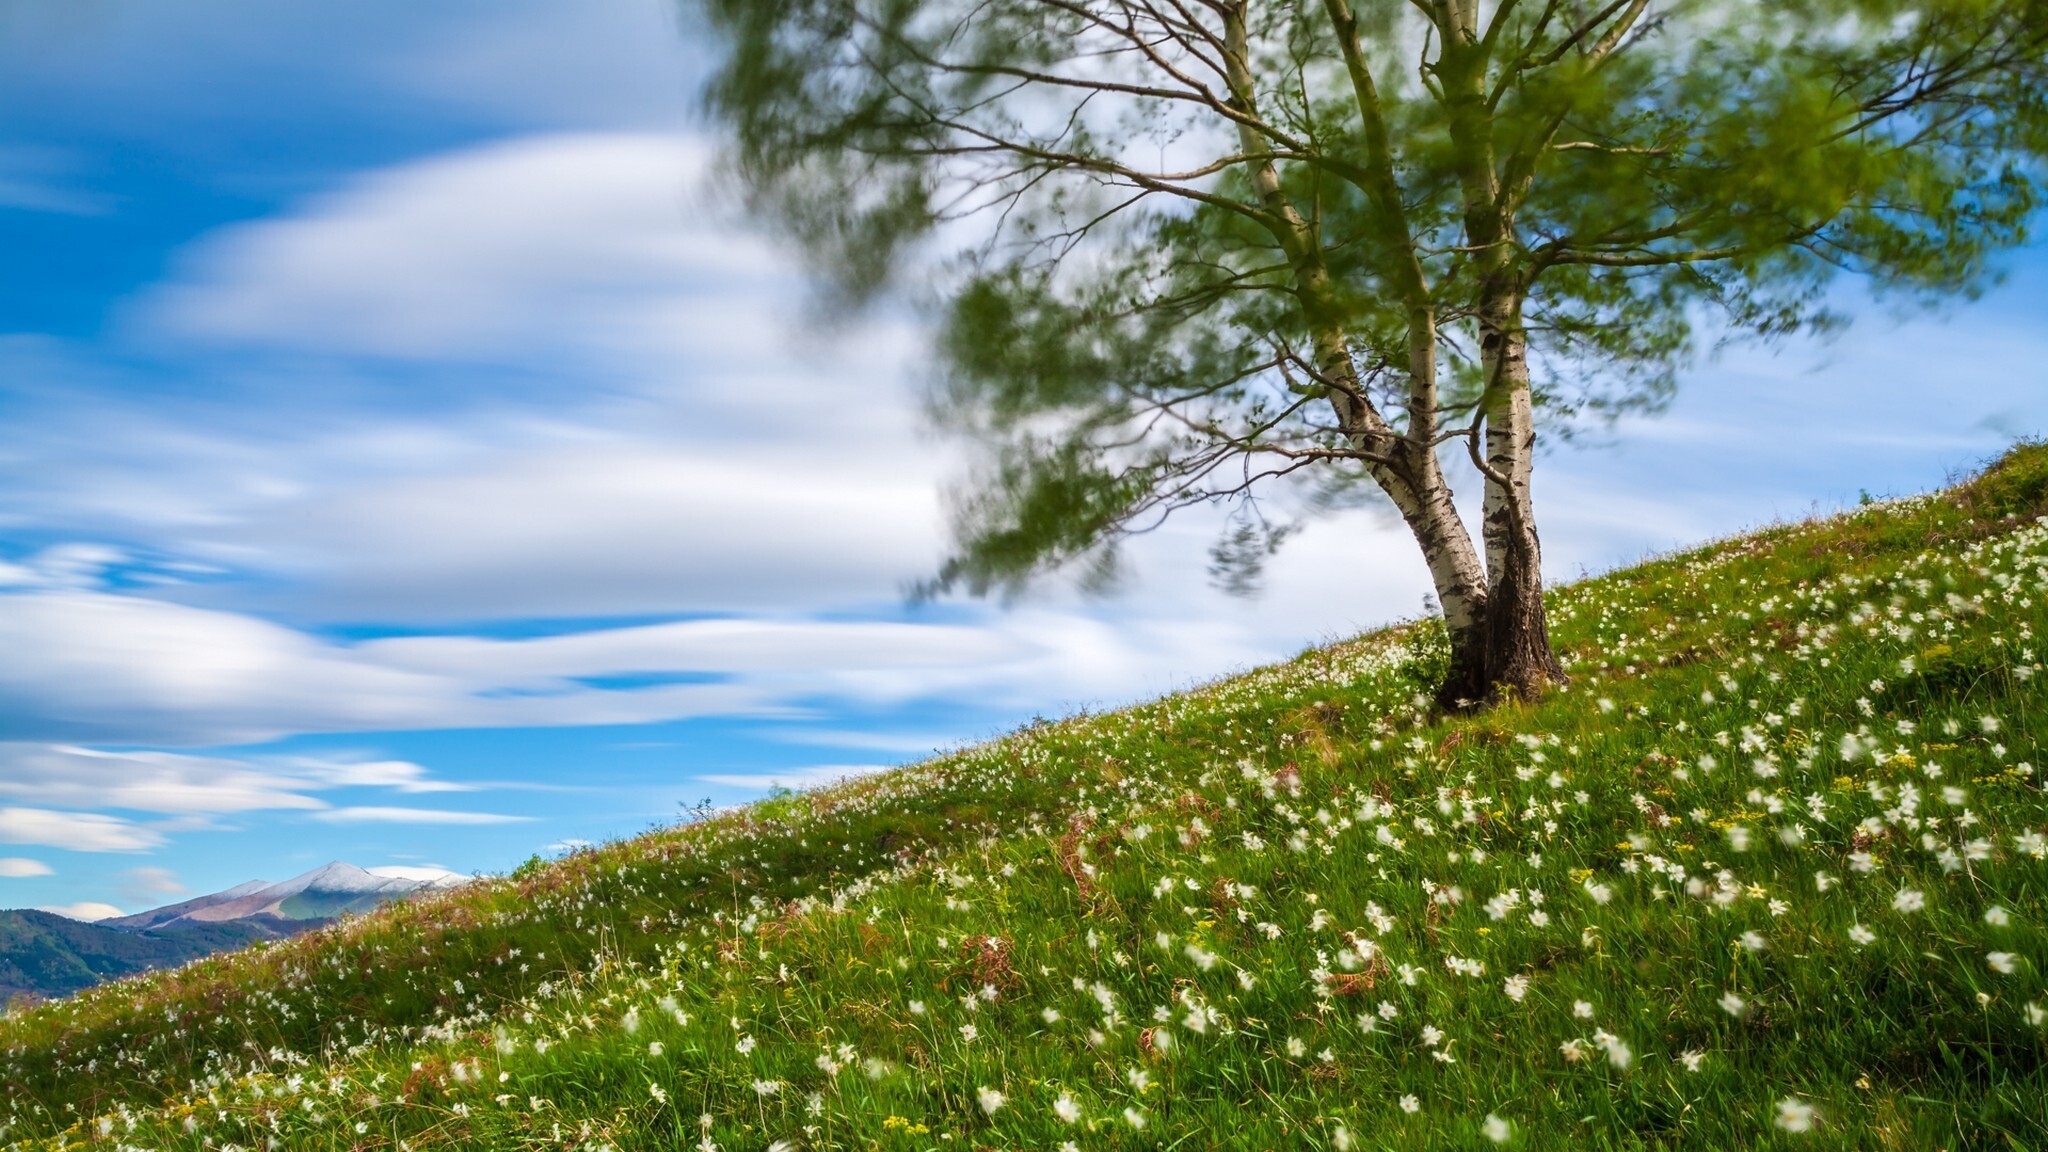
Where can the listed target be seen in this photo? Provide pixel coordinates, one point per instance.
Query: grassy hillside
(1771, 872)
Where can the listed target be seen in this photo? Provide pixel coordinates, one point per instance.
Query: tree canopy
(1186, 247)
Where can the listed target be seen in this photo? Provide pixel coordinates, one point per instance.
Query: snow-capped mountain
(320, 895)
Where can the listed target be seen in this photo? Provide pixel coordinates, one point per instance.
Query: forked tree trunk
(1505, 653)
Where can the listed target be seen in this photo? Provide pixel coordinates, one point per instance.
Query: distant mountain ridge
(44, 955)
(331, 890)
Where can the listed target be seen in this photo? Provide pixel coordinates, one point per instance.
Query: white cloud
(908, 743)
(87, 910)
(377, 815)
(535, 239)
(76, 777)
(398, 775)
(723, 645)
(21, 867)
(91, 667)
(148, 884)
(793, 777)
(416, 872)
(657, 432)
(77, 831)
(188, 788)
(615, 526)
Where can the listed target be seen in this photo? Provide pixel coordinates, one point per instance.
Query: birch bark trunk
(1518, 652)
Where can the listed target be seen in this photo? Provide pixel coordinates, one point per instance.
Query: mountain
(45, 956)
(317, 897)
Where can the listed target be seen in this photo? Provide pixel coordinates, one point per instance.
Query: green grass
(1772, 872)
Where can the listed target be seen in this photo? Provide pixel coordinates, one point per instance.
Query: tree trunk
(1502, 652)
(1519, 661)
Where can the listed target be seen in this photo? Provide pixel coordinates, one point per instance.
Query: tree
(1194, 246)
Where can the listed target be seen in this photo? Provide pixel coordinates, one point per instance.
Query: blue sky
(405, 458)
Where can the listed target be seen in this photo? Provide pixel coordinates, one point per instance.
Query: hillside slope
(1772, 871)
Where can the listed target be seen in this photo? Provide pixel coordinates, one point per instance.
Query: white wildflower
(1795, 1115)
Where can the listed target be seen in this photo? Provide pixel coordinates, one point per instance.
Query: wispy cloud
(77, 831)
(150, 884)
(87, 910)
(908, 743)
(378, 815)
(792, 777)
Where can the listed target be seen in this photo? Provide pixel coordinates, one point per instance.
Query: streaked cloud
(76, 831)
(377, 815)
(793, 777)
(86, 910)
(150, 885)
(20, 867)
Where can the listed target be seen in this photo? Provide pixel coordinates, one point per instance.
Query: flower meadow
(1770, 872)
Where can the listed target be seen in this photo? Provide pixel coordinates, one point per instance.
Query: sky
(409, 456)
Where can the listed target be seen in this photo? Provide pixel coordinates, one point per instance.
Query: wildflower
(1732, 1004)
(2037, 1015)
(968, 1032)
(1795, 1115)
(1296, 1048)
(917, 1007)
(1050, 1015)
(1496, 1129)
(767, 1088)
(744, 1046)
(1516, 987)
(1860, 934)
(1340, 1138)
(1134, 1118)
(1617, 1049)
(1573, 1050)
(990, 1100)
(654, 1049)
(1410, 1105)
(1583, 1009)
(2001, 962)
(1691, 1060)
(1997, 917)
(1909, 900)
(1066, 1109)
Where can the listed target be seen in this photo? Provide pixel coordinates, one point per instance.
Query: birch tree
(1183, 249)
